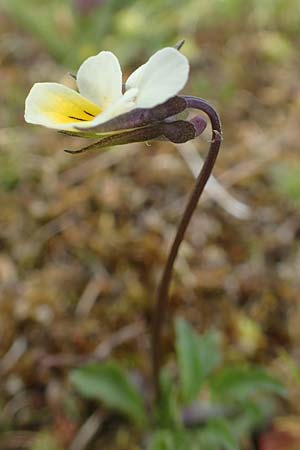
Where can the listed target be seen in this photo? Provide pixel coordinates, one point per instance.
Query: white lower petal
(162, 77)
(121, 106)
(99, 79)
(56, 106)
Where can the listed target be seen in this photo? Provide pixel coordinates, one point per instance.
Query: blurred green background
(83, 239)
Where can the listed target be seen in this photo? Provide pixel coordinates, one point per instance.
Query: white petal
(134, 79)
(162, 77)
(121, 106)
(99, 79)
(56, 106)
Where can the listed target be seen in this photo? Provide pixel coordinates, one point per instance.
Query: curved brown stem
(162, 301)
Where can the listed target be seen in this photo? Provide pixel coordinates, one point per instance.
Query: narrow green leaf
(167, 409)
(110, 384)
(209, 351)
(242, 383)
(197, 356)
(190, 365)
(217, 435)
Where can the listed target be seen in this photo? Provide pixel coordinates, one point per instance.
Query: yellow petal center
(65, 109)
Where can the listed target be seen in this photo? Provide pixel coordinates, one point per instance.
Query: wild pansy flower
(145, 108)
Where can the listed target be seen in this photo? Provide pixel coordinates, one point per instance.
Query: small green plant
(203, 404)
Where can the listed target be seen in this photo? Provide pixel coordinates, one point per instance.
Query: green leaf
(162, 440)
(217, 435)
(168, 412)
(190, 365)
(110, 384)
(242, 383)
(252, 416)
(209, 351)
(172, 440)
(197, 357)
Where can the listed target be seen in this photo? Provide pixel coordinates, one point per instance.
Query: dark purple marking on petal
(142, 116)
(77, 118)
(88, 113)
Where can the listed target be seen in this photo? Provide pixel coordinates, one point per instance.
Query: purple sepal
(179, 131)
(127, 137)
(199, 124)
(142, 116)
